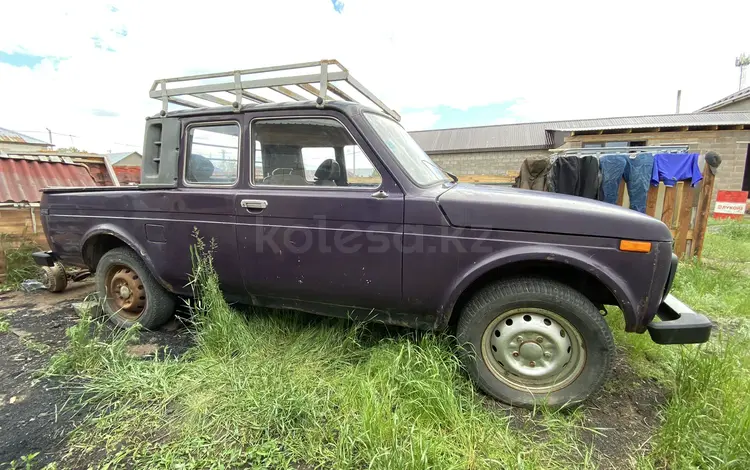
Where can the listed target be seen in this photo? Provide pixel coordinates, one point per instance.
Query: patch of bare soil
(36, 413)
(624, 415)
(619, 421)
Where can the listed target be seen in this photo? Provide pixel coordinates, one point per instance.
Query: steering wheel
(275, 172)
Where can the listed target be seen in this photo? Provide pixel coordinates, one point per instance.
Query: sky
(83, 69)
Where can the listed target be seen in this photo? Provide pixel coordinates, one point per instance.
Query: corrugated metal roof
(22, 179)
(540, 135)
(666, 120)
(7, 135)
(729, 99)
(524, 136)
(116, 157)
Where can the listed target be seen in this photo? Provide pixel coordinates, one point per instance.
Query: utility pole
(679, 97)
(742, 62)
(49, 132)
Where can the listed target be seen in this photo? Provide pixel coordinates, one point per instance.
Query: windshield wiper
(441, 170)
(453, 177)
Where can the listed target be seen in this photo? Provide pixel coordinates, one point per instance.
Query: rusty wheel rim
(126, 296)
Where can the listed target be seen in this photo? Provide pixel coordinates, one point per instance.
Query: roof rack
(313, 81)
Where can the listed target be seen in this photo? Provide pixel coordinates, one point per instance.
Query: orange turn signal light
(635, 246)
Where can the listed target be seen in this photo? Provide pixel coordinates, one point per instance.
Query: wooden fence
(683, 208)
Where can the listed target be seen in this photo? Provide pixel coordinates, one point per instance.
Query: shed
(125, 159)
(24, 175)
(11, 141)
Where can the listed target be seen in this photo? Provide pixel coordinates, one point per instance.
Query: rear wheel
(129, 293)
(54, 277)
(531, 341)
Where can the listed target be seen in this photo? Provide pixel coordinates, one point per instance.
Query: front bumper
(679, 324)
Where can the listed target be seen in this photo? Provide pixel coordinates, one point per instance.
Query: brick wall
(730, 144)
(485, 163)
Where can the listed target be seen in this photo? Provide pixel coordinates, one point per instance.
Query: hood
(502, 208)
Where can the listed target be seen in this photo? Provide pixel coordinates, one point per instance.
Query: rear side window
(213, 155)
(309, 152)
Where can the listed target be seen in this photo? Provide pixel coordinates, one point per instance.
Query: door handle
(380, 194)
(257, 204)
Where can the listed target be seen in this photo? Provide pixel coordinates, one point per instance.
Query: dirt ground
(36, 414)
(619, 421)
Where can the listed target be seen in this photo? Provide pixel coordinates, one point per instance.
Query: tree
(71, 150)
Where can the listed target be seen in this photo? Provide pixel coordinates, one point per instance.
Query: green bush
(19, 264)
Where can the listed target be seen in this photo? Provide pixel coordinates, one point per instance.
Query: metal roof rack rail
(313, 81)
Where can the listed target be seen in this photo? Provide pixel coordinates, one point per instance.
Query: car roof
(346, 107)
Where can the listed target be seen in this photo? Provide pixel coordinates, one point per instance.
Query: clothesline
(596, 173)
(612, 150)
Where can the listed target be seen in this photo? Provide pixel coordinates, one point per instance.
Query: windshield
(409, 154)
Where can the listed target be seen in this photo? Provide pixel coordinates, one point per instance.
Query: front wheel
(129, 293)
(531, 341)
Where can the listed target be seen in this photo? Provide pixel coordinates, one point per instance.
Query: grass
(19, 265)
(267, 389)
(706, 423)
(282, 389)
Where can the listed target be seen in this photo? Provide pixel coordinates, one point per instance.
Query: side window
(213, 154)
(309, 152)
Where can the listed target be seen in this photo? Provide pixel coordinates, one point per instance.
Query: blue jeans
(636, 172)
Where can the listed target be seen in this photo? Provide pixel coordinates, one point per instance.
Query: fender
(547, 253)
(129, 240)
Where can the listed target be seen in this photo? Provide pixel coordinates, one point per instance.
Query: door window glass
(213, 153)
(309, 152)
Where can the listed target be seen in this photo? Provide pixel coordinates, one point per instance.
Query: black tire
(502, 357)
(149, 304)
(54, 277)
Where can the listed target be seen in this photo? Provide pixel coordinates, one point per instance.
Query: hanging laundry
(589, 177)
(565, 176)
(577, 176)
(534, 172)
(636, 170)
(673, 167)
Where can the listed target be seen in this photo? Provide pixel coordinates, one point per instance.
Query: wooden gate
(683, 208)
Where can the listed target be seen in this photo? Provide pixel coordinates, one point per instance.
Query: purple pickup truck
(335, 210)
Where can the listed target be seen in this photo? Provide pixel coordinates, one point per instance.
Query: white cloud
(557, 60)
(419, 120)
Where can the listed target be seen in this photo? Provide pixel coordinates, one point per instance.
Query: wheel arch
(103, 238)
(597, 282)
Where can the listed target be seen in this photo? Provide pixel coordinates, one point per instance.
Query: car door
(202, 203)
(321, 220)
